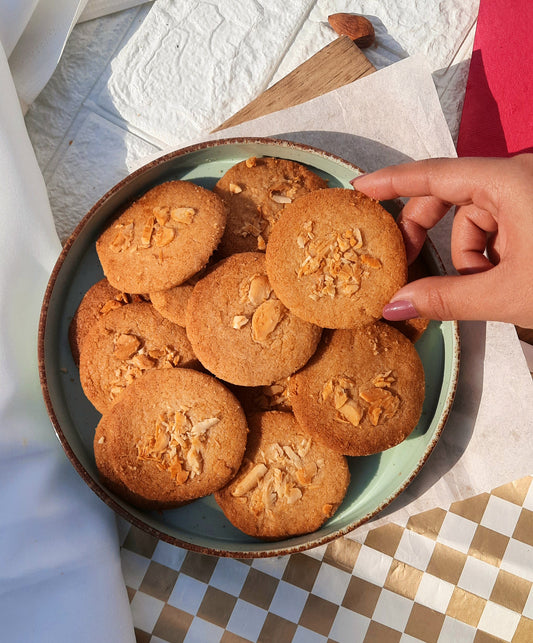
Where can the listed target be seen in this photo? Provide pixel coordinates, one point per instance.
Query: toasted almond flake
(164, 236)
(259, 290)
(250, 480)
(293, 495)
(261, 243)
(161, 214)
(277, 197)
(370, 261)
(146, 237)
(266, 318)
(327, 389)
(234, 188)
(340, 398)
(239, 321)
(109, 305)
(352, 412)
(125, 346)
(101, 440)
(144, 362)
(182, 215)
(251, 162)
(199, 428)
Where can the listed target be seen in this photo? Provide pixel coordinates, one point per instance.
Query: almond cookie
(100, 299)
(174, 435)
(240, 330)
(335, 258)
(288, 484)
(162, 239)
(172, 303)
(123, 345)
(256, 190)
(363, 390)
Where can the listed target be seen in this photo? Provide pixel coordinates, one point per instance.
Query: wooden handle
(339, 63)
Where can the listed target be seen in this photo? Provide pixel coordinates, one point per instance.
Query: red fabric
(497, 118)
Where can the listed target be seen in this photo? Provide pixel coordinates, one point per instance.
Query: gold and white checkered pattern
(460, 575)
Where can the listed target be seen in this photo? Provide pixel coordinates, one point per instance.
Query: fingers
(417, 217)
(474, 297)
(471, 232)
(458, 181)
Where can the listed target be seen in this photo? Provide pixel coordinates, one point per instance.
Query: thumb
(473, 297)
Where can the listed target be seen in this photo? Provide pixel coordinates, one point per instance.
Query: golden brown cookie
(288, 484)
(162, 239)
(125, 344)
(100, 299)
(256, 190)
(240, 331)
(174, 435)
(363, 390)
(172, 303)
(335, 258)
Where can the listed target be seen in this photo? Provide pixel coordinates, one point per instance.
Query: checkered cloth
(459, 575)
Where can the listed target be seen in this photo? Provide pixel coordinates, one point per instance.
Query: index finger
(453, 181)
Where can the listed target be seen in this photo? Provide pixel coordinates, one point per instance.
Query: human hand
(491, 241)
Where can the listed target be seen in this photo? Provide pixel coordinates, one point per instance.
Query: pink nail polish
(352, 181)
(399, 310)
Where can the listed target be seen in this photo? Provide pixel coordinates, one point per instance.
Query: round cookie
(100, 299)
(125, 344)
(256, 190)
(172, 303)
(240, 330)
(174, 435)
(363, 390)
(335, 258)
(162, 239)
(288, 484)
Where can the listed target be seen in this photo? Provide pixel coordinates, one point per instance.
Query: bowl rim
(106, 495)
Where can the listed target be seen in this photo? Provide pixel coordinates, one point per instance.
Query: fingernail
(400, 310)
(357, 179)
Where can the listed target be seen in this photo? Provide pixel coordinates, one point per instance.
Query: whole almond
(356, 27)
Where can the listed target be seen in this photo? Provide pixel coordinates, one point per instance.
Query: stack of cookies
(235, 346)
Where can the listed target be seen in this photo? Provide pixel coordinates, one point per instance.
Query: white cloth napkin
(60, 575)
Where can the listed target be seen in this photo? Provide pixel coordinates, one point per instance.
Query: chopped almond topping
(126, 346)
(234, 188)
(251, 162)
(177, 444)
(146, 237)
(239, 321)
(265, 319)
(182, 215)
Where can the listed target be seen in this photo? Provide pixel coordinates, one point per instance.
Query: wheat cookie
(163, 238)
(363, 390)
(125, 344)
(256, 190)
(172, 303)
(100, 299)
(174, 435)
(288, 484)
(240, 331)
(335, 257)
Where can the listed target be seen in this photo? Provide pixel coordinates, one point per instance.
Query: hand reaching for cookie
(491, 236)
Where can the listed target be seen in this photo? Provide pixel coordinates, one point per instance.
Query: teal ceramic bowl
(201, 526)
